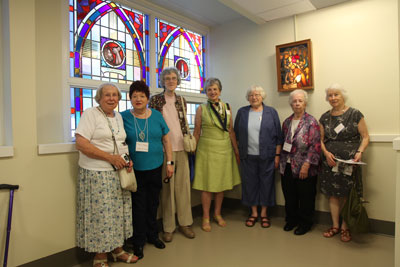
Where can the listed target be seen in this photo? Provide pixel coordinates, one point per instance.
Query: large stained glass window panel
(102, 36)
(83, 98)
(183, 49)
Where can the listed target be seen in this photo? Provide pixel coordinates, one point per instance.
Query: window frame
(152, 11)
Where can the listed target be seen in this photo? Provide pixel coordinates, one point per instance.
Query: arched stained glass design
(183, 49)
(108, 42)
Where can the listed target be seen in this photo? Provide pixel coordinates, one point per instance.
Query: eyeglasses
(255, 95)
(168, 79)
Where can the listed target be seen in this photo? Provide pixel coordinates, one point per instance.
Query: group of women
(228, 153)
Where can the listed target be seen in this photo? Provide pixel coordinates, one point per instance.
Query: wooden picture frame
(294, 66)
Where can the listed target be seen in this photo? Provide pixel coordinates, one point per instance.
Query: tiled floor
(237, 245)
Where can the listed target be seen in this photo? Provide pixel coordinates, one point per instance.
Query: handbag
(354, 212)
(127, 179)
(189, 141)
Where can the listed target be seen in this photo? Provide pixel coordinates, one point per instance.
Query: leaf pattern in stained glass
(87, 49)
(95, 50)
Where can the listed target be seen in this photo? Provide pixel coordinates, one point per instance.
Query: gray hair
(99, 92)
(298, 91)
(336, 87)
(212, 81)
(168, 71)
(258, 89)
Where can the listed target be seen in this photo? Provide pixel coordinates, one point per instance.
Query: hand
(304, 171)
(237, 158)
(117, 161)
(129, 168)
(170, 170)
(358, 156)
(276, 162)
(330, 158)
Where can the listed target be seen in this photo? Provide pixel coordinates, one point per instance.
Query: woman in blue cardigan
(259, 137)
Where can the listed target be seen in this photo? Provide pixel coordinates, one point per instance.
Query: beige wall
(355, 44)
(44, 208)
(362, 54)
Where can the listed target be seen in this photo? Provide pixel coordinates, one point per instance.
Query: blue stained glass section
(77, 104)
(123, 95)
(87, 76)
(86, 93)
(72, 97)
(71, 67)
(78, 117)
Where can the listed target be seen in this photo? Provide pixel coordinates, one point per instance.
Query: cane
(10, 206)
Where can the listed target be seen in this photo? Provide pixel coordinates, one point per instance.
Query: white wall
(355, 44)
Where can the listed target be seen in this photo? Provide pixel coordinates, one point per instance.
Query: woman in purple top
(299, 161)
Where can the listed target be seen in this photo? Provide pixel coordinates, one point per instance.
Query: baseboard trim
(75, 256)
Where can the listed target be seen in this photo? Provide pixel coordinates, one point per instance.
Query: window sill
(44, 149)
(6, 151)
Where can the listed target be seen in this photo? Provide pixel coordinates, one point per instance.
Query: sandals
(131, 258)
(220, 221)
(205, 226)
(100, 263)
(331, 232)
(345, 235)
(251, 221)
(265, 222)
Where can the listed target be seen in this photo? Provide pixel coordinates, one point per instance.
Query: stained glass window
(191, 114)
(183, 49)
(83, 98)
(108, 42)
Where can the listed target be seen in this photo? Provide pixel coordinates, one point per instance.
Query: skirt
(104, 211)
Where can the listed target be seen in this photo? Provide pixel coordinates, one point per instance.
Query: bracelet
(277, 155)
(358, 151)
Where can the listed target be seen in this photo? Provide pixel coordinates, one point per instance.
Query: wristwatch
(170, 162)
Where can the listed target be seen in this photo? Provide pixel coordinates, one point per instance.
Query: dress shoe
(157, 243)
(289, 227)
(301, 230)
(167, 237)
(138, 251)
(187, 231)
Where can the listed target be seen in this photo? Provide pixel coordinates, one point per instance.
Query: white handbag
(189, 141)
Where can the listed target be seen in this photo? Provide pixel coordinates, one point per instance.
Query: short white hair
(298, 91)
(258, 89)
(99, 92)
(336, 87)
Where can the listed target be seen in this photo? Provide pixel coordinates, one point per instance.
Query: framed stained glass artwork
(294, 66)
(108, 42)
(183, 49)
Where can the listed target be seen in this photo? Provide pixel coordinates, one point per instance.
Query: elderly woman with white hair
(344, 135)
(259, 137)
(104, 214)
(299, 162)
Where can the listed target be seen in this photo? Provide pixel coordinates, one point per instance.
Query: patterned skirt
(104, 211)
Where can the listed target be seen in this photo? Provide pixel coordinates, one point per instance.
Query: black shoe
(138, 251)
(301, 230)
(289, 227)
(157, 243)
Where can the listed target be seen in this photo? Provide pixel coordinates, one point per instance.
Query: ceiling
(216, 12)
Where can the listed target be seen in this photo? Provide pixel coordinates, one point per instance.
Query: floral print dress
(342, 145)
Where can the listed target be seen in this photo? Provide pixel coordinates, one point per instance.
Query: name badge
(123, 148)
(287, 147)
(339, 128)
(142, 146)
(180, 114)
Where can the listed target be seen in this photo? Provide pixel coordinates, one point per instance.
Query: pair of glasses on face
(171, 79)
